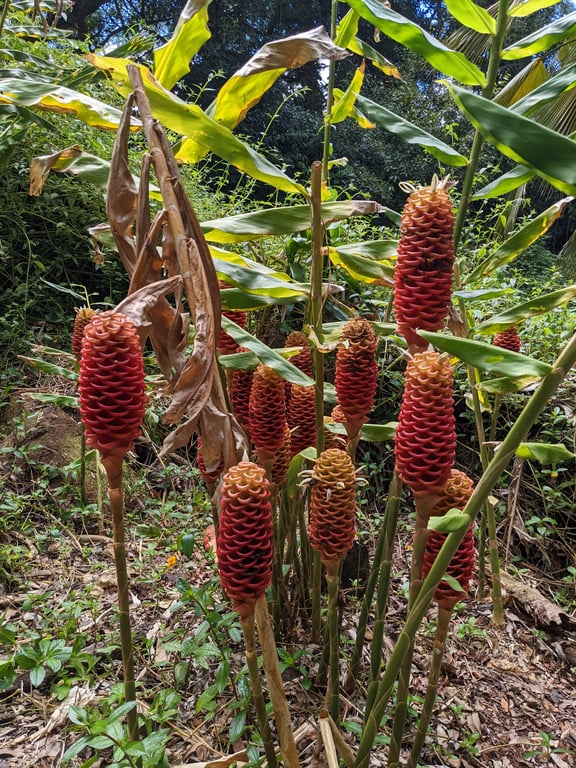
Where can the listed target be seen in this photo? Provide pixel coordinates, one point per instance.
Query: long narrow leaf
(346, 37)
(544, 453)
(472, 16)
(520, 240)
(558, 31)
(530, 6)
(409, 34)
(411, 133)
(508, 182)
(532, 308)
(172, 60)
(344, 105)
(564, 81)
(521, 139)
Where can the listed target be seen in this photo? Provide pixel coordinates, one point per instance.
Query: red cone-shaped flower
(426, 438)
(210, 477)
(356, 369)
(333, 504)
(455, 494)
(226, 344)
(244, 547)
(111, 384)
(267, 413)
(461, 567)
(279, 471)
(508, 339)
(240, 390)
(83, 317)
(423, 272)
(303, 360)
(302, 417)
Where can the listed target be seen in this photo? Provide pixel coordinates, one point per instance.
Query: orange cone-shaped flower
(455, 494)
(244, 547)
(508, 339)
(226, 344)
(356, 369)
(83, 317)
(333, 504)
(303, 360)
(426, 437)
(279, 471)
(301, 417)
(461, 567)
(423, 272)
(111, 385)
(267, 413)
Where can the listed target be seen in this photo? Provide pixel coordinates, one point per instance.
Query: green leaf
(61, 401)
(520, 240)
(189, 119)
(453, 521)
(238, 299)
(346, 32)
(295, 467)
(187, 543)
(360, 268)
(253, 281)
(51, 368)
(236, 728)
(411, 133)
(508, 182)
(545, 453)
(482, 294)
(409, 34)
(172, 60)
(522, 139)
(222, 674)
(559, 31)
(472, 16)
(37, 676)
(531, 308)
(282, 221)
(266, 355)
(487, 357)
(370, 433)
(505, 385)
(529, 7)
(564, 81)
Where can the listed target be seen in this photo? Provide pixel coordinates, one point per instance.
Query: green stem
(494, 419)
(83, 466)
(329, 97)
(117, 507)
(497, 605)
(333, 579)
(5, 9)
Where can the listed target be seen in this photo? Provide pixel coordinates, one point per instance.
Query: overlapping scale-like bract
(455, 493)
(244, 545)
(301, 417)
(226, 344)
(356, 369)
(240, 389)
(111, 383)
(508, 339)
(302, 360)
(279, 471)
(426, 437)
(83, 317)
(423, 272)
(267, 413)
(333, 504)
(461, 567)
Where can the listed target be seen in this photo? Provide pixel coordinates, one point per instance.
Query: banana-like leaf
(371, 433)
(36, 32)
(361, 264)
(522, 139)
(559, 31)
(281, 221)
(530, 77)
(346, 37)
(410, 35)
(189, 119)
(544, 453)
(344, 104)
(56, 98)
(265, 355)
(410, 133)
(530, 6)
(247, 361)
(454, 520)
(532, 308)
(239, 299)
(472, 16)
(520, 240)
(254, 281)
(564, 81)
(172, 60)
(506, 385)
(482, 294)
(51, 368)
(508, 182)
(487, 357)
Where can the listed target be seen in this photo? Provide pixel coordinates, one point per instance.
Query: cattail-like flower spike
(83, 317)
(267, 413)
(508, 339)
(301, 417)
(355, 377)
(423, 272)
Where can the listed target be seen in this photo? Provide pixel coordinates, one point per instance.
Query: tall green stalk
(329, 97)
(333, 580)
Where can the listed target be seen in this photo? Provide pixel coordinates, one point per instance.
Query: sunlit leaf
(527, 80)
(522, 139)
(51, 398)
(564, 81)
(410, 133)
(346, 37)
(505, 385)
(482, 294)
(254, 281)
(281, 221)
(532, 308)
(472, 16)
(454, 520)
(558, 31)
(344, 104)
(409, 34)
(51, 368)
(361, 268)
(172, 60)
(371, 433)
(72, 160)
(487, 357)
(239, 299)
(508, 182)
(529, 7)
(544, 453)
(520, 240)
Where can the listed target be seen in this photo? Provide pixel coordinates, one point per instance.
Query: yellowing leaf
(344, 105)
(172, 61)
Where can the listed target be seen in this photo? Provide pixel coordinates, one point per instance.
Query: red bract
(279, 471)
(508, 339)
(226, 344)
(301, 417)
(426, 437)
(267, 413)
(111, 384)
(333, 504)
(83, 317)
(423, 272)
(244, 546)
(240, 396)
(303, 360)
(461, 567)
(455, 494)
(355, 377)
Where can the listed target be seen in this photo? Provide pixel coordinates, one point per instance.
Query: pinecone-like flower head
(111, 384)
(303, 360)
(423, 272)
(267, 413)
(508, 339)
(426, 437)
(226, 344)
(455, 494)
(83, 317)
(356, 369)
(302, 417)
(244, 547)
(461, 567)
(333, 504)
(240, 389)
(279, 471)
